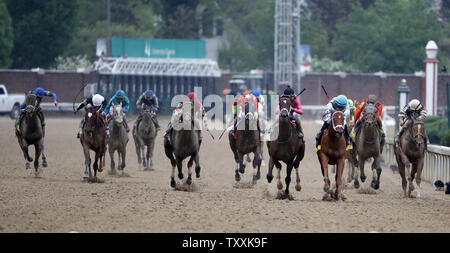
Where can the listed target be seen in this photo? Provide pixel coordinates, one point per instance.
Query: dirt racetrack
(144, 202)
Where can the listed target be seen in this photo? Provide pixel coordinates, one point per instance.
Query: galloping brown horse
(410, 149)
(287, 148)
(247, 141)
(93, 138)
(333, 152)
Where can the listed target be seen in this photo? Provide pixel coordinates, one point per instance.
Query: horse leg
(96, 166)
(197, 165)
(113, 164)
(87, 163)
(256, 166)
(44, 159)
(241, 162)
(409, 177)
(137, 144)
(237, 176)
(376, 171)
(36, 158)
(123, 155)
(339, 172)
(151, 148)
(324, 167)
(169, 154)
(180, 167)
(269, 173)
(144, 159)
(189, 165)
(413, 176)
(279, 184)
(24, 146)
(287, 180)
(418, 169)
(355, 176)
(298, 187)
(401, 171)
(361, 169)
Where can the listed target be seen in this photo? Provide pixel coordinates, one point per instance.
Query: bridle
(284, 109)
(419, 134)
(332, 121)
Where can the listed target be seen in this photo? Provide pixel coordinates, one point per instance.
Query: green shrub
(445, 140)
(436, 128)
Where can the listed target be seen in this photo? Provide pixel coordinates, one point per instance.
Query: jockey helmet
(288, 91)
(120, 94)
(340, 101)
(149, 94)
(415, 105)
(256, 93)
(38, 91)
(372, 99)
(192, 95)
(97, 100)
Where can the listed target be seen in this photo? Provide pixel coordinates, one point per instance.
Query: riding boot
(125, 123)
(155, 120)
(299, 128)
(355, 129)
(348, 140)
(319, 135)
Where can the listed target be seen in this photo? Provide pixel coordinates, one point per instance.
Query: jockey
(296, 109)
(99, 104)
(148, 99)
(352, 110)
(240, 101)
(40, 94)
(261, 102)
(177, 113)
(120, 98)
(413, 107)
(371, 99)
(338, 103)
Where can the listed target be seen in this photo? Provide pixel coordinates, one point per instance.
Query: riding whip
(82, 88)
(323, 88)
(302, 92)
(212, 136)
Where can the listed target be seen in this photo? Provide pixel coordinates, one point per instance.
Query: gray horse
(118, 140)
(247, 141)
(31, 134)
(145, 135)
(368, 145)
(410, 149)
(182, 142)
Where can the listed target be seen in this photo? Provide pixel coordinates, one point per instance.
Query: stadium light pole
(108, 39)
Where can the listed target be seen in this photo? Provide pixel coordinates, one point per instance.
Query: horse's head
(418, 130)
(285, 106)
(90, 119)
(338, 122)
(31, 105)
(117, 113)
(249, 110)
(370, 114)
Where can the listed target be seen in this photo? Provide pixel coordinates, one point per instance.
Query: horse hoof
(189, 181)
(280, 185)
(242, 170)
(254, 180)
(180, 176)
(363, 178)
(197, 172)
(237, 178)
(100, 169)
(269, 178)
(172, 183)
(356, 184)
(258, 176)
(30, 159)
(411, 188)
(326, 189)
(27, 166)
(44, 164)
(375, 185)
(298, 187)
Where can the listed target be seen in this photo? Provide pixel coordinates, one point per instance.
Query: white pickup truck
(10, 103)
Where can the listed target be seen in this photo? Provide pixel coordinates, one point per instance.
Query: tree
(42, 30)
(179, 19)
(6, 36)
(389, 36)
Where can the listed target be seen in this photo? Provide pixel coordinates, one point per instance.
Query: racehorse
(31, 134)
(93, 137)
(247, 141)
(182, 142)
(287, 148)
(368, 145)
(333, 152)
(145, 135)
(410, 149)
(119, 138)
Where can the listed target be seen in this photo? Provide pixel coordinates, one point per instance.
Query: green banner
(157, 48)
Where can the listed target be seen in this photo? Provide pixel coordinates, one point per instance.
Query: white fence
(436, 164)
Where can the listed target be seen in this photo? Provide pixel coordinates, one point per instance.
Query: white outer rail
(436, 164)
